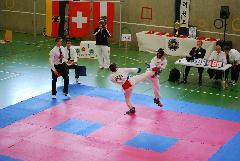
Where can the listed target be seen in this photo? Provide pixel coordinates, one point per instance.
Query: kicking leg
(141, 77)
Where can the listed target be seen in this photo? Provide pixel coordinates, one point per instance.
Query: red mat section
(34, 139)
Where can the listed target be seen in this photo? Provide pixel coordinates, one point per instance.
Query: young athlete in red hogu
(121, 76)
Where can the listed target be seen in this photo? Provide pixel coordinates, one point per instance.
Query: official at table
(196, 53)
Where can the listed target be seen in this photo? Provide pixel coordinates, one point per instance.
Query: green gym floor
(25, 73)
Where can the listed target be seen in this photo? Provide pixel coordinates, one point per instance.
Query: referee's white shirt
(234, 55)
(54, 56)
(73, 54)
(221, 57)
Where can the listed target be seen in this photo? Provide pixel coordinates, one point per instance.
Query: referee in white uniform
(233, 57)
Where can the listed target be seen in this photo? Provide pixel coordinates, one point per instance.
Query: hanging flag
(62, 6)
(79, 19)
(55, 17)
(52, 18)
(104, 9)
(182, 8)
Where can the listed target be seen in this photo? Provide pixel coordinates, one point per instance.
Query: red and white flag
(103, 9)
(79, 19)
(55, 19)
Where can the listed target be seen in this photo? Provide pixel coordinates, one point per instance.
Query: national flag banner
(79, 19)
(104, 8)
(55, 18)
(52, 18)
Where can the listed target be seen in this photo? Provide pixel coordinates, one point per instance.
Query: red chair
(161, 33)
(200, 38)
(211, 39)
(170, 35)
(183, 36)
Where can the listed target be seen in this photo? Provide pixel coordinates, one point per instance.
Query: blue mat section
(6, 158)
(152, 142)
(230, 151)
(42, 102)
(37, 104)
(78, 127)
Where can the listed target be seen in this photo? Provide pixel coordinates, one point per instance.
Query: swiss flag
(103, 9)
(79, 19)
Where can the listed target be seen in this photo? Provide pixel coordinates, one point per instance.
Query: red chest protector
(126, 85)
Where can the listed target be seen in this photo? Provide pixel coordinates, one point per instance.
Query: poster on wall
(126, 37)
(184, 13)
(192, 32)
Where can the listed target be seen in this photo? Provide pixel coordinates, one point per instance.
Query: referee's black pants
(217, 74)
(62, 69)
(76, 68)
(200, 73)
(235, 72)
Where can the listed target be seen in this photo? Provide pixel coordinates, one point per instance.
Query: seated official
(71, 59)
(196, 53)
(233, 57)
(58, 68)
(220, 56)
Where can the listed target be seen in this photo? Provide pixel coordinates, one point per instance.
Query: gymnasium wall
(202, 14)
(21, 22)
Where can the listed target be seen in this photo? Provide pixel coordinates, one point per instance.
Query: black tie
(227, 57)
(69, 56)
(60, 57)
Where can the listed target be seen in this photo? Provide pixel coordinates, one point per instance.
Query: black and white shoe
(233, 83)
(184, 81)
(158, 102)
(131, 111)
(78, 81)
(67, 95)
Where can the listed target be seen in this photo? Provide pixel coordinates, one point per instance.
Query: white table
(184, 63)
(152, 42)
